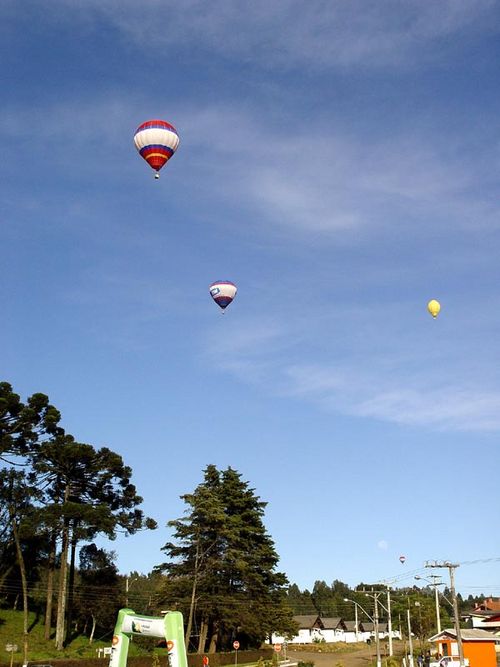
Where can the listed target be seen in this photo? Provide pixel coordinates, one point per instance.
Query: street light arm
(361, 607)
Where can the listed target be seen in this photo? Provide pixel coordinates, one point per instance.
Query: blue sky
(339, 161)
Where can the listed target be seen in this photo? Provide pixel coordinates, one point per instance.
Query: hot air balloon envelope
(434, 307)
(223, 292)
(156, 141)
(402, 559)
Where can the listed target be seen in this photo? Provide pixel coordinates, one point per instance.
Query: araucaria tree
(222, 567)
(54, 492)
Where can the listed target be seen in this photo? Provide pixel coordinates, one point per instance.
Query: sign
(236, 645)
(277, 648)
(11, 648)
(205, 660)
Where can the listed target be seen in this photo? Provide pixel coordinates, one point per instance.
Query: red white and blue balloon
(223, 292)
(156, 141)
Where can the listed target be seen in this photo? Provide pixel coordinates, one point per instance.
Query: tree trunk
(22, 568)
(203, 634)
(191, 613)
(71, 583)
(94, 623)
(6, 574)
(213, 639)
(51, 564)
(63, 581)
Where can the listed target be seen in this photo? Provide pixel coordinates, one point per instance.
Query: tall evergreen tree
(99, 594)
(300, 602)
(17, 494)
(324, 601)
(88, 492)
(223, 565)
(23, 425)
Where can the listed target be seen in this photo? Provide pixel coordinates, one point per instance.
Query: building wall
(479, 654)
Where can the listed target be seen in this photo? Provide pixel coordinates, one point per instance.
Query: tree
(22, 426)
(300, 601)
(88, 492)
(324, 602)
(16, 495)
(223, 565)
(100, 596)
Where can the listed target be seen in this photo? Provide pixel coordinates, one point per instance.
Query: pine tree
(223, 565)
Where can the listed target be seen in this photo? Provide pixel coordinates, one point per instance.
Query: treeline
(338, 601)
(220, 568)
(55, 493)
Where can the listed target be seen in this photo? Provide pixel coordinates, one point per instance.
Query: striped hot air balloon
(223, 292)
(156, 141)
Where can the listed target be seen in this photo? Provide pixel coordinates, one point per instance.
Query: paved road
(361, 658)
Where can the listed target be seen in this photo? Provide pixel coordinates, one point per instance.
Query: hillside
(11, 632)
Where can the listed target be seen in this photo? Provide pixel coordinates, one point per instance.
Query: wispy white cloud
(297, 179)
(290, 33)
(383, 372)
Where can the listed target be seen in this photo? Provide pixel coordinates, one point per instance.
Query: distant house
(484, 620)
(366, 631)
(314, 628)
(310, 630)
(478, 645)
(333, 629)
(351, 633)
(490, 604)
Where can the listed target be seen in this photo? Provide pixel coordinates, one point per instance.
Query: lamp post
(128, 581)
(388, 610)
(434, 583)
(451, 568)
(374, 597)
(410, 642)
(355, 616)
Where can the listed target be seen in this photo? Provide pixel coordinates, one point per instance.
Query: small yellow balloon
(434, 307)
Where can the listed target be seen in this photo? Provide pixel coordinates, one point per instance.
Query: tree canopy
(222, 567)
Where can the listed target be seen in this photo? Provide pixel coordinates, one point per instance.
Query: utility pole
(387, 609)
(375, 594)
(451, 568)
(410, 642)
(434, 583)
(389, 620)
(377, 638)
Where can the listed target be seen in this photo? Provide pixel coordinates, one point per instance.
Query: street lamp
(355, 616)
(388, 610)
(374, 620)
(375, 624)
(435, 585)
(128, 581)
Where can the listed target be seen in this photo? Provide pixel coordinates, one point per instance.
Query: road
(361, 658)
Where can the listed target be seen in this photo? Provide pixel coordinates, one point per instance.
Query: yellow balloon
(434, 307)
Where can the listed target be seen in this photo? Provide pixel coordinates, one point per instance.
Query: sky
(339, 161)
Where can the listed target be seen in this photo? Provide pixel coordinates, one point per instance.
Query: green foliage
(223, 555)
(305, 663)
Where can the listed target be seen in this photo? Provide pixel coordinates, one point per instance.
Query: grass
(42, 650)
